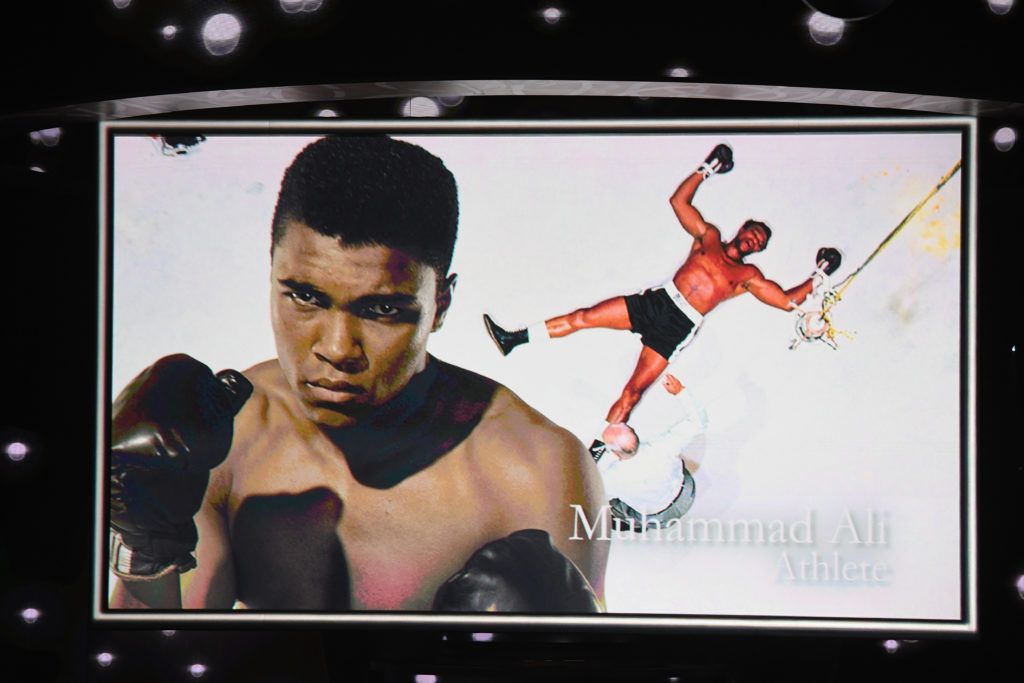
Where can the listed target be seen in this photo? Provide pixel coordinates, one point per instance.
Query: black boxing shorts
(664, 319)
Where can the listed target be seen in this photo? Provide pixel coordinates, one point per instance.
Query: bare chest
(306, 535)
(708, 277)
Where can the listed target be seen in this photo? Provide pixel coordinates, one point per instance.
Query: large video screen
(601, 374)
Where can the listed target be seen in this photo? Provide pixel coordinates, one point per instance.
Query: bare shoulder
(267, 383)
(528, 444)
(265, 376)
(752, 275)
(253, 419)
(709, 239)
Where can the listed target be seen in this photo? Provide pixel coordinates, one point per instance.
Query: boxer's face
(350, 323)
(751, 239)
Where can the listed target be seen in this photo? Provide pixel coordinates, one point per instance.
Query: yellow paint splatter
(940, 233)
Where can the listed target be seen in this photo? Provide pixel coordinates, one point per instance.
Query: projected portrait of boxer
(362, 473)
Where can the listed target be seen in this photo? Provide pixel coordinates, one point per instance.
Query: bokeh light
(420, 107)
(47, 137)
(221, 34)
(1005, 138)
(1000, 6)
(825, 29)
(552, 15)
(16, 451)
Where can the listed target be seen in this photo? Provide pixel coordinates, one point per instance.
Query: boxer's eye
(383, 310)
(304, 298)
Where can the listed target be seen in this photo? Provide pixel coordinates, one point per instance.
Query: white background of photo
(550, 223)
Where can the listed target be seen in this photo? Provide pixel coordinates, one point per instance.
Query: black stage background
(962, 56)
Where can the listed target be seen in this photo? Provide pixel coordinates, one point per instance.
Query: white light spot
(891, 645)
(121, 4)
(221, 34)
(47, 137)
(678, 72)
(1005, 138)
(327, 113)
(1020, 586)
(37, 169)
(104, 659)
(425, 678)
(482, 637)
(16, 451)
(825, 29)
(168, 633)
(312, 5)
(30, 615)
(418, 107)
(169, 31)
(197, 670)
(552, 15)
(450, 100)
(1000, 6)
(291, 6)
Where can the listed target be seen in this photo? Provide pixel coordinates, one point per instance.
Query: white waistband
(682, 304)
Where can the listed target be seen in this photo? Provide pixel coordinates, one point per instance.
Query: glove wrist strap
(125, 562)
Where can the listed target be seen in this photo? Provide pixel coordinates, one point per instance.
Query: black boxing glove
(522, 572)
(825, 263)
(170, 426)
(719, 161)
(828, 260)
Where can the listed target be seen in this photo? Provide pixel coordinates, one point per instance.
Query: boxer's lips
(334, 392)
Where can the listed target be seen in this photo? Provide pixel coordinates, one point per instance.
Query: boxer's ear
(445, 288)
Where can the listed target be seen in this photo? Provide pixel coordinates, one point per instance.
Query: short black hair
(750, 222)
(372, 190)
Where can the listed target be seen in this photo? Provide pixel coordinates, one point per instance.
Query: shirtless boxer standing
(668, 317)
(362, 473)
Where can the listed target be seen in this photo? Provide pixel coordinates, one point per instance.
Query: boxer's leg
(648, 368)
(611, 313)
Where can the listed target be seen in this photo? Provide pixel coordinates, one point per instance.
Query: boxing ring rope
(817, 325)
(902, 224)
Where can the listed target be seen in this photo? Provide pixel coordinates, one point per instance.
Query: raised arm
(210, 586)
(826, 262)
(719, 161)
(772, 294)
(170, 428)
(689, 217)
